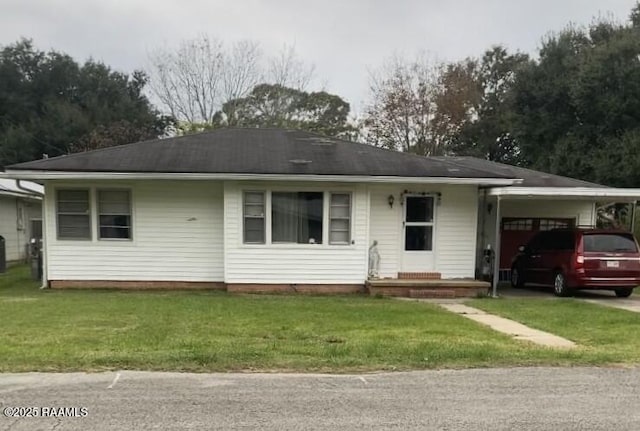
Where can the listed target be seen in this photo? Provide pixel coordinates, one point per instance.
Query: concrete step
(419, 275)
(452, 288)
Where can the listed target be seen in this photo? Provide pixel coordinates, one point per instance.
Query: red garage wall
(515, 232)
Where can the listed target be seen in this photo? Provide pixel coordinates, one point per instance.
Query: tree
(577, 109)
(403, 107)
(193, 81)
(49, 104)
(487, 131)
(273, 105)
(458, 100)
(287, 70)
(188, 81)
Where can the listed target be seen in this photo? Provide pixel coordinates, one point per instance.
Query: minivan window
(547, 241)
(609, 242)
(553, 240)
(534, 243)
(564, 240)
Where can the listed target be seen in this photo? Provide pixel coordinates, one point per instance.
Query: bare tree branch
(403, 106)
(194, 81)
(288, 70)
(188, 80)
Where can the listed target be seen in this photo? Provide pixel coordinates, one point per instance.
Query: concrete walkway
(507, 326)
(623, 304)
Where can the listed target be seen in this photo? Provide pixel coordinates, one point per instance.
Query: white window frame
(326, 202)
(323, 236)
(89, 213)
(432, 223)
(348, 218)
(265, 209)
(98, 213)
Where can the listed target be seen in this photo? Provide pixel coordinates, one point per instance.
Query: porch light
(391, 200)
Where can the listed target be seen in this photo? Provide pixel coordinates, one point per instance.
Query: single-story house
(249, 209)
(20, 217)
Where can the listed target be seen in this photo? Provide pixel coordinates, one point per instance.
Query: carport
(509, 216)
(514, 214)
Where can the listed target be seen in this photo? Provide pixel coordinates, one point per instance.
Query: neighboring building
(20, 216)
(267, 207)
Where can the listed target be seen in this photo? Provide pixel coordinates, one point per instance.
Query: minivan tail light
(579, 265)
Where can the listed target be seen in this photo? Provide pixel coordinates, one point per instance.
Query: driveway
(600, 297)
(492, 399)
(547, 292)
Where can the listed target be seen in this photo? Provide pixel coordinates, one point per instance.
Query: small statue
(374, 260)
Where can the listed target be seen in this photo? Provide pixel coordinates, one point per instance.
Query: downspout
(45, 266)
(496, 259)
(483, 219)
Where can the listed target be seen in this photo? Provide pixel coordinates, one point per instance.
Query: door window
(418, 223)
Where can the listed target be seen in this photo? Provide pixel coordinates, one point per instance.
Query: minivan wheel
(516, 278)
(624, 292)
(560, 285)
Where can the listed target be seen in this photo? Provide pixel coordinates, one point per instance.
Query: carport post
(496, 248)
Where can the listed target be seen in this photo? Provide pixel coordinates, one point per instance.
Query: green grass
(605, 334)
(52, 330)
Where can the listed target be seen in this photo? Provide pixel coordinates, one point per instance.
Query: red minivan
(576, 258)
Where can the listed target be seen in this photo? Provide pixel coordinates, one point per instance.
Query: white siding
(295, 263)
(16, 234)
(8, 228)
(580, 210)
(455, 228)
(177, 236)
(385, 226)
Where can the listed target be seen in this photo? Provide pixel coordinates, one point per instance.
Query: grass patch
(92, 330)
(606, 334)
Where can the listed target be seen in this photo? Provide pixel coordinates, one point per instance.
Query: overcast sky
(343, 38)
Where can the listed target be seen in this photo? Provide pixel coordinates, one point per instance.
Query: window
(609, 243)
(517, 224)
(564, 240)
(418, 223)
(296, 217)
(254, 217)
(114, 214)
(73, 213)
(548, 224)
(340, 218)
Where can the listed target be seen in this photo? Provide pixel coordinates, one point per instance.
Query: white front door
(419, 216)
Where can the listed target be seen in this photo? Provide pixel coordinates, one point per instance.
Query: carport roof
(530, 178)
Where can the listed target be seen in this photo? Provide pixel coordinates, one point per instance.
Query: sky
(344, 39)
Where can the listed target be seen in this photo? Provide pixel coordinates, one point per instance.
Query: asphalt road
(486, 399)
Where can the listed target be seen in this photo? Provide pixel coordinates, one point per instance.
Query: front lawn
(610, 334)
(56, 330)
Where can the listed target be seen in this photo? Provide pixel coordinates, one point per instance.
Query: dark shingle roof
(530, 177)
(284, 152)
(257, 151)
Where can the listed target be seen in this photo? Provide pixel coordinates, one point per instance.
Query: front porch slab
(425, 288)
